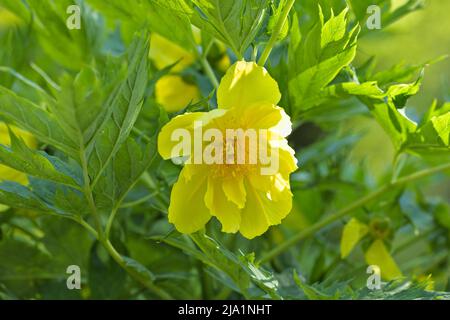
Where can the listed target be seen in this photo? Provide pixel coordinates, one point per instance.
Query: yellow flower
(6, 173)
(174, 94)
(239, 195)
(163, 53)
(378, 255)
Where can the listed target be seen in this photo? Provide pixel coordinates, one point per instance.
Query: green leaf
(155, 15)
(433, 133)
(106, 278)
(79, 106)
(138, 270)
(344, 90)
(311, 292)
(38, 163)
(43, 196)
(241, 270)
(396, 125)
(400, 93)
(235, 272)
(442, 215)
(79, 46)
(125, 168)
(16, 195)
(234, 22)
(60, 199)
(35, 120)
(125, 107)
(323, 52)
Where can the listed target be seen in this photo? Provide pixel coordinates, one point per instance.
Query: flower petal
(378, 255)
(164, 53)
(226, 211)
(235, 190)
(174, 94)
(261, 212)
(187, 210)
(246, 83)
(185, 121)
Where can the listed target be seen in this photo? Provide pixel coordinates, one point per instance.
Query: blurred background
(421, 36)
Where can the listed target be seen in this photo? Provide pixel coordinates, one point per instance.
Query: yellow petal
(352, 233)
(286, 156)
(166, 143)
(284, 125)
(235, 190)
(378, 255)
(164, 53)
(246, 83)
(226, 211)
(187, 210)
(174, 94)
(274, 185)
(261, 212)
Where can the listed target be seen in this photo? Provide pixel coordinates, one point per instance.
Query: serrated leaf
(432, 134)
(318, 58)
(35, 120)
(235, 22)
(49, 18)
(400, 93)
(125, 168)
(123, 112)
(311, 292)
(18, 196)
(37, 163)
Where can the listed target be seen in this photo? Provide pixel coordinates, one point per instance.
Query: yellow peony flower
(6, 173)
(174, 94)
(241, 195)
(164, 52)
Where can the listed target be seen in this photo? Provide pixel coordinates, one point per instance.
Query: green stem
(88, 192)
(119, 259)
(276, 32)
(139, 201)
(110, 222)
(347, 210)
(209, 72)
(85, 225)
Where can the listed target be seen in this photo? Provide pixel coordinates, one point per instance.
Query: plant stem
(119, 259)
(139, 201)
(85, 225)
(276, 32)
(209, 72)
(347, 210)
(88, 191)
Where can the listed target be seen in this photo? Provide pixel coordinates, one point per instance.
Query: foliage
(98, 192)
